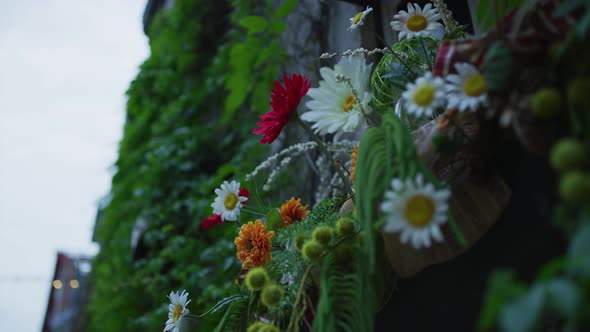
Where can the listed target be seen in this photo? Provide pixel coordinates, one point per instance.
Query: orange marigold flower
(292, 211)
(355, 152)
(253, 244)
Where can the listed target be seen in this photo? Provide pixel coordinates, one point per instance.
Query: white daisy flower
(334, 108)
(359, 18)
(416, 209)
(177, 310)
(417, 22)
(467, 90)
(228, 202)
(425, 95)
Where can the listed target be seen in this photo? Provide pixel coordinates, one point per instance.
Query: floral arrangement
(413, 131)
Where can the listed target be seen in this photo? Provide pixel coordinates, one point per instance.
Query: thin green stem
(327, 154)
(425, 55)
(393, 53)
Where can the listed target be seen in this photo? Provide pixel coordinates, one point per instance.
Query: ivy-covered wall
(186, 131)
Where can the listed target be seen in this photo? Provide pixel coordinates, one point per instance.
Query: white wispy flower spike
(417, 22)
(359, 18)
(228, 202)
(415, 209)
(333, 106)
(176, 310)
(425, 95)
(467, 89)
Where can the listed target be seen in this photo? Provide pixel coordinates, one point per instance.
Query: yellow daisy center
(424, 95)
(419, 210)
(230, 201)
(416, 23)
(348, 103)
(474, 85)
(357, 18)
(177, 312)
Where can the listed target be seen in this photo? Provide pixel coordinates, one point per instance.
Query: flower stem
(425, 55)
(327, 154)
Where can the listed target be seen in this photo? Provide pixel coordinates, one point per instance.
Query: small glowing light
(57, 284)
(74, 283)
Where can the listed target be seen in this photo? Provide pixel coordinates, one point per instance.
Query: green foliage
(497, 66)
(489, 11)
(173, 154)
(560, 293)
(394, 71)
(253, 57)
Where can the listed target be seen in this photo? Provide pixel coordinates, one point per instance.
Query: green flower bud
(312, 251)
(300, 240)
(577, 94)
(271, 295)
(568, 154)
(256, 279)
(574, 187)
(345, 226)
(546, 103)
(323, 234)
(343, 253)
(360, 238)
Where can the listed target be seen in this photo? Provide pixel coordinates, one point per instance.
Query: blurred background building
(66, 308)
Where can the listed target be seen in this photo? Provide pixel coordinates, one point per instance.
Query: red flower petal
(244, 193)
(210, 221)
(283, 103)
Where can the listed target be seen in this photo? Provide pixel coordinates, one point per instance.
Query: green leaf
(285, 8)
(239, 89)
(497, 66)
(579, 251)
(502, 288)
(278, 27)
(254, 24)
(564, 296)
(274, 220)
(521, 315)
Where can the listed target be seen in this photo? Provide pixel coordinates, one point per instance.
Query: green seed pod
(568, 154)
(360, 238)
(256, 279)
(300, 240)
(312, 251)
(574, 187)
(323, 234)
(546, 103)
(271, 295)
(577, 94)
(345, 226)
(343, 253)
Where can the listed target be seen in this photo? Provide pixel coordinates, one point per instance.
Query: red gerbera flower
(210, 221)
(283, 103)
(244, 193)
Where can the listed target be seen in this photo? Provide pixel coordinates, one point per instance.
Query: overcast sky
(64, 68)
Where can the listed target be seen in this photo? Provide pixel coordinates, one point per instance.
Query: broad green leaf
(497, 66)
(564, 296)
(579, 251)
(254, 24)
(521, 315)
(286, 8)
(278, 27)
(502, 288)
